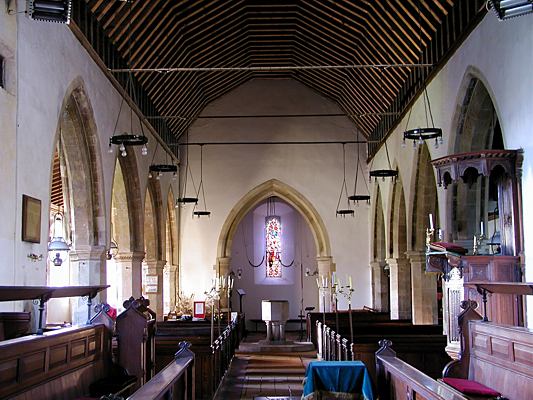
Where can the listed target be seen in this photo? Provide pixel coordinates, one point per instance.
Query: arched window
(273, 246)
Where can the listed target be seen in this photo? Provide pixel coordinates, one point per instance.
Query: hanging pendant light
(129, 138)
(182, 200)
(384, 173)
(156, 170)
(58, 247)
(204, 212)
(421, 134)
(344, 189)
(356, 198)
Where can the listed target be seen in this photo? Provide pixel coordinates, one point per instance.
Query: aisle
(265, 376)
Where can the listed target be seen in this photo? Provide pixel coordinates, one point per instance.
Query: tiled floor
(265, 376)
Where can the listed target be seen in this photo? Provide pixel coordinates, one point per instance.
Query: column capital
(416, 256)
(397, 261)
(94, 253)
(132, 256)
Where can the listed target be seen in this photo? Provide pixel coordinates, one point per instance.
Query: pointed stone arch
(83, 192)
(380, 280)
(154, 238)
(399, 266)
(298, 201)
(262, 192)
(423, 285)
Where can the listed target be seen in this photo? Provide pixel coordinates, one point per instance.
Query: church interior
(223, 199)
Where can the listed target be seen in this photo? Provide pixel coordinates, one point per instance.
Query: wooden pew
(497, 356)
(330, 319)
(211, 360)
(174, 381)
(399, 380)
(55, 365)
(422, 346)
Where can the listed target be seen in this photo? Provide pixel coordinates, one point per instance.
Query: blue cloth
(338, 377)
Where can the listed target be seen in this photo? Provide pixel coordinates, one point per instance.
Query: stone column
(424, 291)
(325, 268)
(222, 269)
(153, 286)
(380, 286)
(174, 285)
(130, 266)
(87, 267)
(400, 288)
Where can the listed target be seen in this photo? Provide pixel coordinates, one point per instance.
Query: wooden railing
(223, 350)
(417, 344)
(175, 381)
(398, 380)
(332, 346)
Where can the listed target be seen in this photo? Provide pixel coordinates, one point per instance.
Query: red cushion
(467, 386)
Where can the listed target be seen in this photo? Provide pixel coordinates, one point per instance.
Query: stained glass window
(273, 246)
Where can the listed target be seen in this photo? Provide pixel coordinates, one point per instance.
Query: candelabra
(478, 243)
(347, 292)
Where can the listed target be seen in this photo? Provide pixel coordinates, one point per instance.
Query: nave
(272, 374)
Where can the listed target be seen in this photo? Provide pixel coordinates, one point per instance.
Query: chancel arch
(268, 189)
(378, 265)
(82, 200)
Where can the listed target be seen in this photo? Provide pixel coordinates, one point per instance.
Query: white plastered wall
(500, 54)
(315, 171)
(49, 59)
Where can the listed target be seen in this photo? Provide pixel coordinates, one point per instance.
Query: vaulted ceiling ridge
(261, 33)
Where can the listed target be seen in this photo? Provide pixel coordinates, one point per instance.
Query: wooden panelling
(505, 363)
(58, 356)
(48, 365)
(500, 348)
(523, 353)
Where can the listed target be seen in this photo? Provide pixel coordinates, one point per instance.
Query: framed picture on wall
(199, 309)
(31, 219)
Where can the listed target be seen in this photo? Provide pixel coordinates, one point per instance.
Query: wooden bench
(497, 356)
(57, 364)
(419, 345)
(399, 380)
(211, 360)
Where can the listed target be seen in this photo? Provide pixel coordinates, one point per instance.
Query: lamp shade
(50, 10)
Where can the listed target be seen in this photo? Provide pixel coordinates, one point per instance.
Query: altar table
(337, 380)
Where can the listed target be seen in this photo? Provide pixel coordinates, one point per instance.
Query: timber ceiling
(159, 34)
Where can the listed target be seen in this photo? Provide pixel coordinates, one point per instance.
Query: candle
(482, 227)
(430, 221)
(350, 282)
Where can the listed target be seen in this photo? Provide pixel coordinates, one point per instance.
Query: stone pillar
(130, 266)
(380, 286)
(222, 269)
(400, 288)
(424, 291)
(325, 268)
(174, 286)
(153, 286)
(87, 267)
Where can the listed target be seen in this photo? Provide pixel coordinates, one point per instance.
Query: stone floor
(265, 375)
